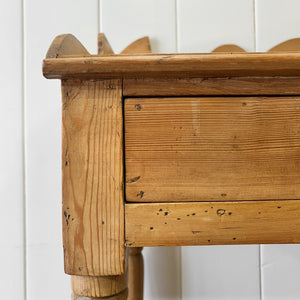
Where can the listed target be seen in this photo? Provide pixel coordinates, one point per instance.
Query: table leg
(135, 274)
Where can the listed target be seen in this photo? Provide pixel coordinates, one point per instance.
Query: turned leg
(122, 296)
(135, 274)
(99, 287)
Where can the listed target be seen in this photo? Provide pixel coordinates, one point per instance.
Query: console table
(172, 150)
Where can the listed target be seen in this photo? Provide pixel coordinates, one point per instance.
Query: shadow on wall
(162, 273)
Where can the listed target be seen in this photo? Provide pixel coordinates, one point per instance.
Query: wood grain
(212, 149)
(96, 286)
(66, 44)
(121, 296)
(212, 223)
(104, 48)
(141, 45)
(135, 274)
(174, 65)
(212, 86)
(92, 166)
(229, 48)
(292, 45)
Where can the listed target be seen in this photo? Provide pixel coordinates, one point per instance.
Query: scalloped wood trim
(66, 44)
(141, 46)
(292, 45)
(76, 62)
(104, 48)
(229, 48)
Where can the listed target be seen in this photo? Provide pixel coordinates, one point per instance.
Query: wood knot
(140, 194)
(132, 180)
(138, 107)
(221, 212)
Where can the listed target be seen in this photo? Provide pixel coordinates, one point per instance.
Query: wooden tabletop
(173, 65)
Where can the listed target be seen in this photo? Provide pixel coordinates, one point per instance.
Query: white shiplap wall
(12, 261)
(30, 190)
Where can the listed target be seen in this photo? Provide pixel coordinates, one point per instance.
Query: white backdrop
(30, 130)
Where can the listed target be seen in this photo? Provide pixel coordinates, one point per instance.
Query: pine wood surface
(92, 167)
(229, 48)
(212, 223)
(292, 45)
(173, 65)
(66, 44)
(141, 45)
(211, 86)
(205, 152)
(212, 149)
(98, 286)
(104, 47)
(121, 296)
(135, 257)
(225, 60)
(135, 274)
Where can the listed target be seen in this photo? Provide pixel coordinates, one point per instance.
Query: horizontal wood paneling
(212, 149)
(212, 223)
(212, 86)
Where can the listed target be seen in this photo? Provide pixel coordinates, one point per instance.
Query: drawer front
(212, 149)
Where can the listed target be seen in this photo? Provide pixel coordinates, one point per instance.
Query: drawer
(212, 149)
